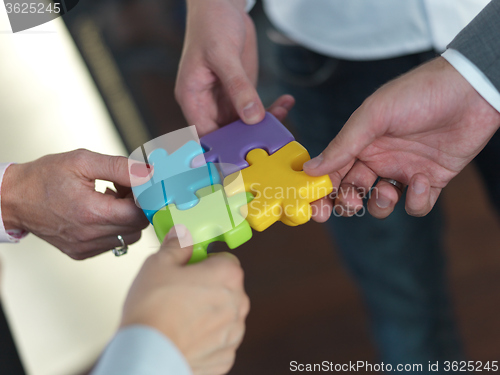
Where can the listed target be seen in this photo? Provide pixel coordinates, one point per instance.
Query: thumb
(106, 167)
(240, 89)
(358, 132)
(177, 247)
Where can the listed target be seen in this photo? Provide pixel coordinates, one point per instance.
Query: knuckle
(245, 306)
(80, 156)
(83, 235)
(233, 274)
(88, 215)
(227, 362)
(117, 164)
(374, 109)
(75, 254)
(371, 103)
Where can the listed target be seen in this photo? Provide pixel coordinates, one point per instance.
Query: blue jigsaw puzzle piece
(174, 180)
(179, 189)
(166, 165)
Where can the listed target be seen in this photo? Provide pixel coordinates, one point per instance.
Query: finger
(361, 178)
(97, 230)
(201, 119)
(111, 192)
(338, 176)
(174, 249)
(198, 94)
(105, 167)
(223, 268)
(281, 107)
(383, 199)
(197, 103)
(349, 201)
(223, 257)
(139, 174)
(240, 89)
(359, 131)
(110, 211)
(322, 209)
(420, 197)
(236, 334)
(122, 191)
(354, 188)
(98, 246)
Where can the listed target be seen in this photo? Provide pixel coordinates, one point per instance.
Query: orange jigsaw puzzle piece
(282, 190)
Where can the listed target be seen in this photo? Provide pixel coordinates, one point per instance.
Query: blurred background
(102, 78)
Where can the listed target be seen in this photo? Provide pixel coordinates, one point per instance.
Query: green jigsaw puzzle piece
(215, 218)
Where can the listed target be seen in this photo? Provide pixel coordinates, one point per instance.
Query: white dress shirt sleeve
(250, 5)
(11, 235)
(474, 76)
(141, 350)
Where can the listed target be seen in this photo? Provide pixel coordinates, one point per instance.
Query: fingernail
(314, 163)
(418, 187)
(140, 170)
(177, 231)
(382, 202)
(251, 113)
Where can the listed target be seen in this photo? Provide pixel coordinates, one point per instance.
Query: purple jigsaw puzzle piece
(230, 144)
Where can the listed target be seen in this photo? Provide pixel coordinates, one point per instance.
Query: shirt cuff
(250, 5)
(11, 235)
(141, 350)
(474, 76)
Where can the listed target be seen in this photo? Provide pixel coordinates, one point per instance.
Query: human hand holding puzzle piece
(263, 164)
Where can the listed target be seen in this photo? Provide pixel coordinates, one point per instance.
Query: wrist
(10, 199)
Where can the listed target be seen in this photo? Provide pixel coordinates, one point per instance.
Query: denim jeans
(398, 262)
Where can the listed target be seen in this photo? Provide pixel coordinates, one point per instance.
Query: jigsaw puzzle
(264, 183)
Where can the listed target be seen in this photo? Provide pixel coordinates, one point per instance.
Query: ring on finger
(122, 249)
(393, 182)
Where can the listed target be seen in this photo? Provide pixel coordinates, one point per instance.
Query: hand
(421, 129)
(201, 307)
(54, 198)
(219, 67)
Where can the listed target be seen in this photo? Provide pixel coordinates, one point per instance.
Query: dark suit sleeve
(480, 42)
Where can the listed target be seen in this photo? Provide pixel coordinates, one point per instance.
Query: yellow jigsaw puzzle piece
(282, 191)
